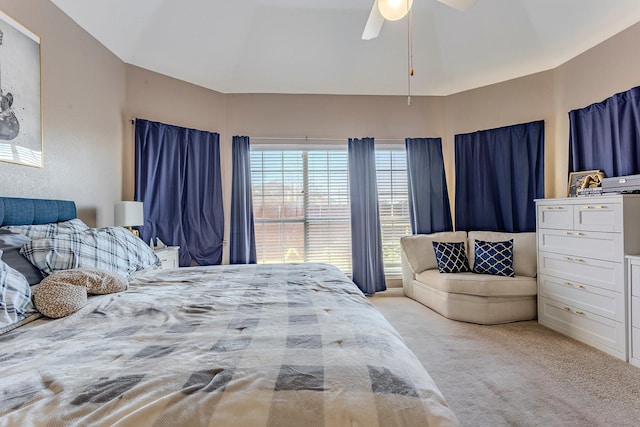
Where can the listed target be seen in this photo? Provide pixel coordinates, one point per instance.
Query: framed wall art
(20, 100)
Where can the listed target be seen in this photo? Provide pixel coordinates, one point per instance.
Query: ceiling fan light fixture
(393, 10)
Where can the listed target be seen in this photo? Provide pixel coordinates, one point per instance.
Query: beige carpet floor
(516, 374)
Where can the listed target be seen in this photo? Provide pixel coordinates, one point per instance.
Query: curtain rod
(306, 138)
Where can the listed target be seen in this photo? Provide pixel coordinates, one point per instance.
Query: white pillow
(15, 297)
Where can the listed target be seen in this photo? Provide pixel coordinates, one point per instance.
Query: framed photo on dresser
(583, 179)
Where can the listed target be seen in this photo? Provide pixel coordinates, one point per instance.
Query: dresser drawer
(605, 334)
(634, 278)
(587, 271)
(599, 301)
(590, 244)
(598, 217)
(555, 216)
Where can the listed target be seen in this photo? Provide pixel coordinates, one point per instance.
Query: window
(302, 211)
(301, 206)
(393, 203)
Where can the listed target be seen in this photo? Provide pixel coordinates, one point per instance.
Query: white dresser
(582, 286)
(634, 306)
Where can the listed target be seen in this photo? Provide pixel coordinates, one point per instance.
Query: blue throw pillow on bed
(493, 258)
(451, 257)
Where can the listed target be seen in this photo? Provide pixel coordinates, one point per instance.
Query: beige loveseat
(471, 297)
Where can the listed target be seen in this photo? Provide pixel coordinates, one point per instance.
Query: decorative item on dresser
(582, 286)
(584, 180)
(634, 309)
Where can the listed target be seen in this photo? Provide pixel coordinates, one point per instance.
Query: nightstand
(168, 256)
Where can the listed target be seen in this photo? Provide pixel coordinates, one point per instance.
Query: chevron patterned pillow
(494, 258)
(451, 257)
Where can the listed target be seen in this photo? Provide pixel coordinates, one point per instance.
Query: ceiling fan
(393, 10)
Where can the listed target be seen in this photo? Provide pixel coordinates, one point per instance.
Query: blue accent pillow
(451, 257)
(493, 258)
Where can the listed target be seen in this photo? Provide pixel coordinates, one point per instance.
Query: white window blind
(393, 203)
(301, 206)
(302, 211)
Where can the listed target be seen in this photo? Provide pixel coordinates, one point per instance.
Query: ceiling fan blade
(374, 23)
(461, 5)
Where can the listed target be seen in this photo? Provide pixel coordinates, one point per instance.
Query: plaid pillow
(451, 257)
(494, 258)
(43, 231)
(112, 248)
(15, 294)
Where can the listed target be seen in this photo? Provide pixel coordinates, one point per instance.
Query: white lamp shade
(128, 214)
(393, 10)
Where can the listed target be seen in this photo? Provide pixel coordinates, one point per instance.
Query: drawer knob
(581, 313)
(595, 207)
(567, 309)
(569, 233)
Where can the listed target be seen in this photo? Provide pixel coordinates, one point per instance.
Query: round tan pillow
(94, 280)
(57, 300)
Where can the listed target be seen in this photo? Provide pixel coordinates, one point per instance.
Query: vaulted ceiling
(315, 46)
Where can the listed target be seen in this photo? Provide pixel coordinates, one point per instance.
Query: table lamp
(128, 214)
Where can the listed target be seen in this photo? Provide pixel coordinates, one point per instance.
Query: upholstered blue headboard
(19, 211)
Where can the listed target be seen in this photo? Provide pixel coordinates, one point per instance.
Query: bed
(246, 345)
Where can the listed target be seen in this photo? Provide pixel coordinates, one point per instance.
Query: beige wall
(89, 97)
(159, 98)
(83, 88)
(338, 116)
